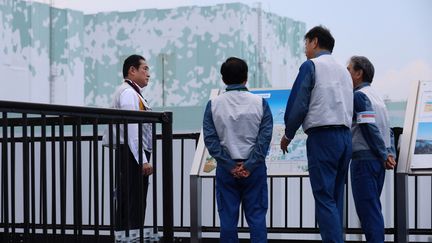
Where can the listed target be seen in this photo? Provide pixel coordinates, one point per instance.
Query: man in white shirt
(128, 97)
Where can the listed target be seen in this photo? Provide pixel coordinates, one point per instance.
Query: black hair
(131, 61)
(362, 63)
(325, 39)
(234, 71)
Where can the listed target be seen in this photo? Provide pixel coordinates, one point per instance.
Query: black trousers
(127, 211)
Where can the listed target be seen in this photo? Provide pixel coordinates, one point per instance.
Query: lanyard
(134, 86)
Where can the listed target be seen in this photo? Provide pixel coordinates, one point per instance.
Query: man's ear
(131, 70)
(360, 74)
(315, 42)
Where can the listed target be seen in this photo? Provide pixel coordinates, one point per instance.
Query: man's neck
(320, 51)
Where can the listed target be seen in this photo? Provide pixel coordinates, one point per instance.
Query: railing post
(401, 201)
(26, 187)
(167, 174)
(195, 208)
(5, 187)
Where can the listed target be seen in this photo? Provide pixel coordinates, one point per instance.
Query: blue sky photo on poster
(424, 138)
(295, 161)
(277, 100)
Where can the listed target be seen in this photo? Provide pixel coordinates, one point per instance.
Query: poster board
(416, 140)
(278, 164)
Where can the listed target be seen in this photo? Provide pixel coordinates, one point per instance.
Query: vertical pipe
(259, 47)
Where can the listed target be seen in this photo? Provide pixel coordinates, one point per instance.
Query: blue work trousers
(251, 192)
(329, 152)
(367, 181)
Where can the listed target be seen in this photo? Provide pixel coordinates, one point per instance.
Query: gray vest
(331, 101)
(381, 121)
(237, 117)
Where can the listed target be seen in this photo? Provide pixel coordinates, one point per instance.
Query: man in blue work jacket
(237, 130)
(373, 149)
(321, 100)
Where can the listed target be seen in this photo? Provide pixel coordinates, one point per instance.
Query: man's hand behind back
(147, 169)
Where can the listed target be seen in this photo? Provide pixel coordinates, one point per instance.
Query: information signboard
(416, 140)
(292, 163)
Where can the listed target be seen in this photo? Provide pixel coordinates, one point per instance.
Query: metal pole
(167, 172)
(401, 201)
(195, 209)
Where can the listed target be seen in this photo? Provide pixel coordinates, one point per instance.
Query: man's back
(237, 117)
(331, 100)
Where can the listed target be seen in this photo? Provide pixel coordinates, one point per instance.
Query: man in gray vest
(373, 150)
(321, 100)
(237, 130)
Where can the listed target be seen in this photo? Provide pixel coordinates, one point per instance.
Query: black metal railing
(291, 210)
(294, 216)
(55, 182)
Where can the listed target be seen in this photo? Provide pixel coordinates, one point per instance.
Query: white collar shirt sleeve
(129, 100)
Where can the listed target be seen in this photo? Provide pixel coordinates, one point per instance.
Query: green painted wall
(63, 56)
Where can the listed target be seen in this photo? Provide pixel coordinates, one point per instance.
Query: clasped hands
(240, 171)
(146, 169)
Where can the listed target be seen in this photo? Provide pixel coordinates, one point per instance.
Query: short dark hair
(362, 63)
(234, 71)
(325, 39)
(131, 61)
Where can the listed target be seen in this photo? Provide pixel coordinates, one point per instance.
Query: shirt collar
(134, 86)
(323, 53)
(240, 87)
(363, 84)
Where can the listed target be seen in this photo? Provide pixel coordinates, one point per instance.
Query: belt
(313, 129)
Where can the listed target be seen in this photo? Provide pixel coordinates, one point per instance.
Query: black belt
(313, 129)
